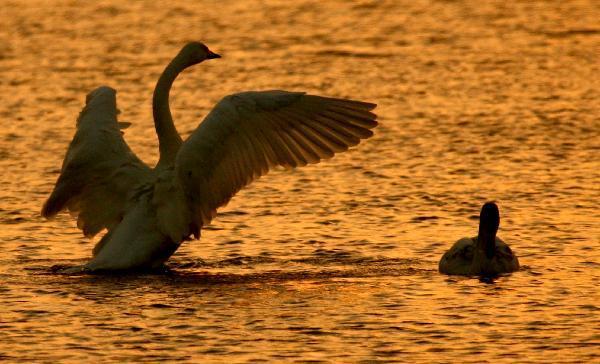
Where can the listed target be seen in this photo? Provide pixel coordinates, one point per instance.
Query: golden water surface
(335, 262)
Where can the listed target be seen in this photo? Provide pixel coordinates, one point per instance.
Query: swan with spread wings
(149, 212)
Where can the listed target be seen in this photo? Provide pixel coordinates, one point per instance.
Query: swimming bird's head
(489, 220)
(196, 52)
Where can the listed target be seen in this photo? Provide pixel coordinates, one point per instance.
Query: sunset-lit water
(335, 262)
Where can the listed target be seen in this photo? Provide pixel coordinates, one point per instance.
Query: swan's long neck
(487, 240)
(489, 220)
(169, 140)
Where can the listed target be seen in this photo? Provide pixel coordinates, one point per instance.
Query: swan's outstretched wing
(248, 133)
(99, 169)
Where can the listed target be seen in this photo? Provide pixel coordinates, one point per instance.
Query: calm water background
(478, 101)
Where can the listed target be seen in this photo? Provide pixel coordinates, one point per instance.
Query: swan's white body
(467, 258)
(147, 211)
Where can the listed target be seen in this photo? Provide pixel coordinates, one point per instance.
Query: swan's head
(196, 52)
(490, 216)
(489, 221)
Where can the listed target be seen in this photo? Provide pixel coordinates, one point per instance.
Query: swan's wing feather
(248, 133)
(99, 169)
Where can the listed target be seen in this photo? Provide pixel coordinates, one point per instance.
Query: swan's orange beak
(212, 55)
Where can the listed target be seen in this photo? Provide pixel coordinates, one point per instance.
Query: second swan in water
(148, 212)
(484, 254)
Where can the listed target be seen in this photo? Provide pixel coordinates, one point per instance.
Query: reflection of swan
(484, 254)
(149, 212)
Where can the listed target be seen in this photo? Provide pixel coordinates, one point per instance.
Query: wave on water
(321, 265)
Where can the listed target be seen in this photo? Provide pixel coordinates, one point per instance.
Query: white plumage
(149, 212)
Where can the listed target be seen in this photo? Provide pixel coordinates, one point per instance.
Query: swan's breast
(135, 243)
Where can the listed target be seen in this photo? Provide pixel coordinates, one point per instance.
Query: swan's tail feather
(55, 203)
